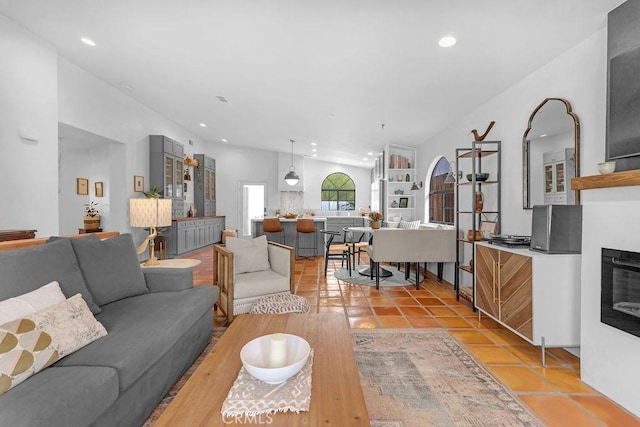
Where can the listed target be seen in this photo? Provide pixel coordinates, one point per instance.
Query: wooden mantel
(616, 179)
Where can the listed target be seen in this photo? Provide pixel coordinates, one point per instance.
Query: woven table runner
(250, 396)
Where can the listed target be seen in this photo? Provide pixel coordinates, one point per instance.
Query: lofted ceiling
(329, 72)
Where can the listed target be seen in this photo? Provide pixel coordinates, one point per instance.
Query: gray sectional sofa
(157, 323)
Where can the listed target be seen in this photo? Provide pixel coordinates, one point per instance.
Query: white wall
(29, 170)
(579, 76)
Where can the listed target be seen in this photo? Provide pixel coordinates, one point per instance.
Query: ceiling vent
(222, 98)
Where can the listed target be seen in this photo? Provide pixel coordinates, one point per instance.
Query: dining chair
(343, 255)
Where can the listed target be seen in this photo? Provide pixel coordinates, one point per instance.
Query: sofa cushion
(31, 343)
(259, 283)
(110, 268)
(249, 255)
(409, 225)
(25, 270)
(59, 397)
(149, 323)
(21, 305)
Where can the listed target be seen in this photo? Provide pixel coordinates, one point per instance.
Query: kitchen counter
(289, 226)
(192, 218)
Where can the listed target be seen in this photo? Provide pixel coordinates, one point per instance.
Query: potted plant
(375, 219)
(91, 216)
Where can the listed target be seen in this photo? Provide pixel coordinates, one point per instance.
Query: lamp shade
(291, 178)
(152, 212)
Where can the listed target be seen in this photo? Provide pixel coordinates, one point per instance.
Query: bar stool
(272, 226)
(306, 226)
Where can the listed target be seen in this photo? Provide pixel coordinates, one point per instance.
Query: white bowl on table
(275, 358)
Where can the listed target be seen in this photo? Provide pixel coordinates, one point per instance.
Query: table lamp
(149, 213)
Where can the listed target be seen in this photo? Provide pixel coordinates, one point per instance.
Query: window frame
(339, 202)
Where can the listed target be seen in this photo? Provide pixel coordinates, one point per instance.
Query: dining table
(364, 270)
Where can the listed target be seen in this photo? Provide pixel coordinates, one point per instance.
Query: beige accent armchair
(238, 292)
(411, 246)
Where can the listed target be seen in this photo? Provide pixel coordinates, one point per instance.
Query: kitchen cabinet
(166, 170)
(339, 223)
(535, 295)
(289, 226)
(204, 193)
(193, 233)
(559, 168)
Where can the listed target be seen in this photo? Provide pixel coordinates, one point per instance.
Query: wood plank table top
(336, 395)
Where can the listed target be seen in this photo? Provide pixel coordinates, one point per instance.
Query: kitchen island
(289, 226)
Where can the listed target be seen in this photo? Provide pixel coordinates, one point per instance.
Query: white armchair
(411, 246)
(238, 292)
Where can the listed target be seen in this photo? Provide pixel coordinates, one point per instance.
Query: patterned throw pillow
(34, 342)
(410, 225)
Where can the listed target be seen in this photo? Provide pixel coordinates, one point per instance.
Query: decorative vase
(479, 201)
(375, 224)
(91, 222)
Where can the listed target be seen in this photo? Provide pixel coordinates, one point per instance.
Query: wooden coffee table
(336, 395)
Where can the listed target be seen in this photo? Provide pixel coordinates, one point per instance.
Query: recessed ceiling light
(369, 153)
(447, 41)
(543, 135)
(87, 41)
(365, 159)
(314, 155)
(203, 125)
(314, 144)
(314, 150)
(223, 140)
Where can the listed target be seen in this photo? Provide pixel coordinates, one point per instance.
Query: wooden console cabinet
(535, 295)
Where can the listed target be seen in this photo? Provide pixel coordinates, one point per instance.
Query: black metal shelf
(475, 154)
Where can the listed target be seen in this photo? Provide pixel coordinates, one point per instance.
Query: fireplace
(620, 293)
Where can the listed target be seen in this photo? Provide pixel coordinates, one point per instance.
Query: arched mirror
(551, 155)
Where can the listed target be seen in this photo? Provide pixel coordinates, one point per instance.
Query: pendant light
(291, 177)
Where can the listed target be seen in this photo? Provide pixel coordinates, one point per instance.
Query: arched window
(441, 194)
(338, 193)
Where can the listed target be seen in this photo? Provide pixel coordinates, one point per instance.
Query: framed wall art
(138, 183)
(404, 202)
(99, 189)
(82, 186)
(488, 228)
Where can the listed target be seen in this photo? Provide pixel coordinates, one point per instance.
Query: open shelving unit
(474, 158)
(400, 176)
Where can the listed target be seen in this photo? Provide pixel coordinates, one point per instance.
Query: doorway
(253, 196)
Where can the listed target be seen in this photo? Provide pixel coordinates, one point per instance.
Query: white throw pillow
(20, 306)
(249, 255)
(409, 225)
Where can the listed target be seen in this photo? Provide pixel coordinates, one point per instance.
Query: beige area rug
(425, 378)
(414, 377)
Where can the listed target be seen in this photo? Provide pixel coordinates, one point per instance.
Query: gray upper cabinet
(204, 196)
(166, 170)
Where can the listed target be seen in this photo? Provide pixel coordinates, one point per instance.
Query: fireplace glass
(620, 294)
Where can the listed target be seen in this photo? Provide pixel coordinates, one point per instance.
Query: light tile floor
(554, 393)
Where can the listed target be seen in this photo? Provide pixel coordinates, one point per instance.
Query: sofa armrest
(282, 261)
(168, 279)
